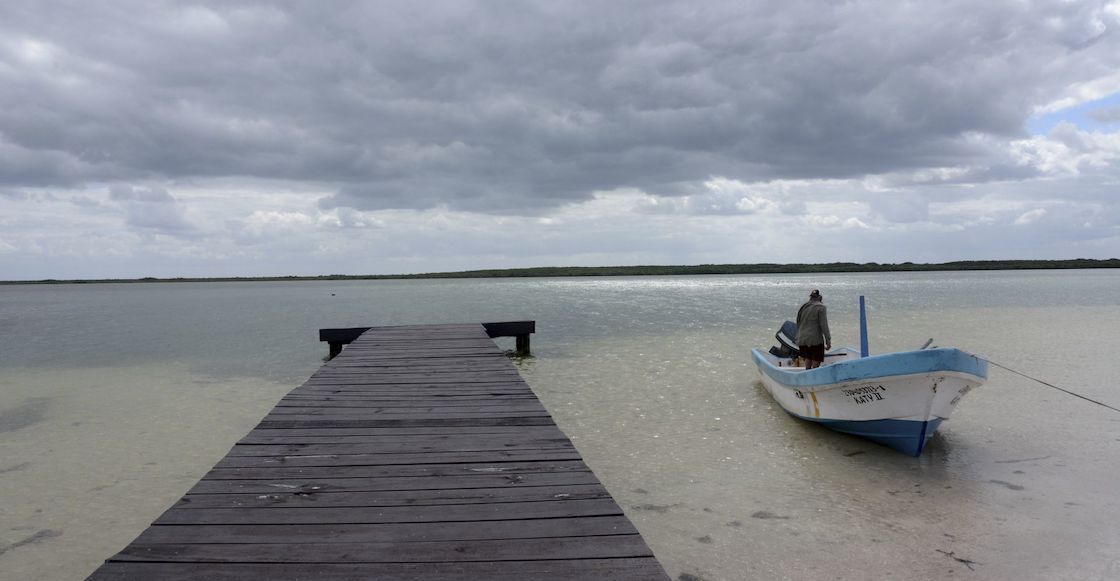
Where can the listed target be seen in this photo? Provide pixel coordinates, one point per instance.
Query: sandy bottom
(90, 457)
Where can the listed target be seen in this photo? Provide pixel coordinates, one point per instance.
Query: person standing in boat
(813, 337)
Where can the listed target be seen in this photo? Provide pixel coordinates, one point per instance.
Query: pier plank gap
(418, 452)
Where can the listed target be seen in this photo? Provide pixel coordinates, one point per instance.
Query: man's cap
(816, 294)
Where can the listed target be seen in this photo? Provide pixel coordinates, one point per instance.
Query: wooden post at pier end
(337, 338)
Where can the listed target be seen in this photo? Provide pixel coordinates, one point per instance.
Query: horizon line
(635, 270)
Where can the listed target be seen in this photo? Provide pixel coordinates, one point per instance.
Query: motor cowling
(787, 341)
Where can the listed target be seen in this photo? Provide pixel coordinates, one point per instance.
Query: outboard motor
(787, 341)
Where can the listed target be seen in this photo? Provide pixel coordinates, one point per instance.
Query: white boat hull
(874, 397)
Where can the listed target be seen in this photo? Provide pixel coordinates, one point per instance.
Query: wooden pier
(418, 452)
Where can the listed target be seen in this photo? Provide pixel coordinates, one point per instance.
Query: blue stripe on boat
(906, 436)
(885, 365)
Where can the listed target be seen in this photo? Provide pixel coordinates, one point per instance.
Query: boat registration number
(865, 394)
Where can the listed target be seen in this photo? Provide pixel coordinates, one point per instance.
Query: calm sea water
(115, 399)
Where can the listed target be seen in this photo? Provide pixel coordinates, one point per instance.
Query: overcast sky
(246, 138)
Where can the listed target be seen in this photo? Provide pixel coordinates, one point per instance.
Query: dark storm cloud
(510, 107)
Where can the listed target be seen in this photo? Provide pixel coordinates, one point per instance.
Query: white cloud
(196, 21)
(33, 52)
(1069, 150)
(271, 223)
(832, 221)
(719, 196)
(269, 218)
(1030, 217)
(350, 218)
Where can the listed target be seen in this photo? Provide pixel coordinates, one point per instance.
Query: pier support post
(336, 348)
(522, 346)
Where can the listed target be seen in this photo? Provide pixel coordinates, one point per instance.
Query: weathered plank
(320, 498)
(325, 422)
(456, 439)
(633, 569)
(388, 483)
(489, 457)
(442, 411)
(391, 514)
(601, 547)
(528, 431)
(356, 402)
(382, 471)
(400, 445)
(393, 532)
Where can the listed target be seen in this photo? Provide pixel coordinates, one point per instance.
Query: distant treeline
(768, 268)
(764, 268)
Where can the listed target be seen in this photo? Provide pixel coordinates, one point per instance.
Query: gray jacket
(812, 324)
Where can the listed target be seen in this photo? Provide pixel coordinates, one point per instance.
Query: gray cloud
(151, 211)
(1106, 115)
(901, 208)
(514, 108)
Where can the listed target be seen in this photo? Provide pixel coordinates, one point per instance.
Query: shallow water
(115, 399)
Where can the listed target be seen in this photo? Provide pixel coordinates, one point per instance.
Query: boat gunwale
(948, 360)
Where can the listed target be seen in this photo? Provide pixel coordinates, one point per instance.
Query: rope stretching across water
(1053, 386)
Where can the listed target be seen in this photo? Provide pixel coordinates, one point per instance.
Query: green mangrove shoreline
(701, 269)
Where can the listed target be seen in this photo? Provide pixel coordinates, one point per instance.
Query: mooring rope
(1052, 385)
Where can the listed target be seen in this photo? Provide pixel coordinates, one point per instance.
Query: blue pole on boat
(863, 350)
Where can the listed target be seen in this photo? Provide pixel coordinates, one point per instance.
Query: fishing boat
(895, 399)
